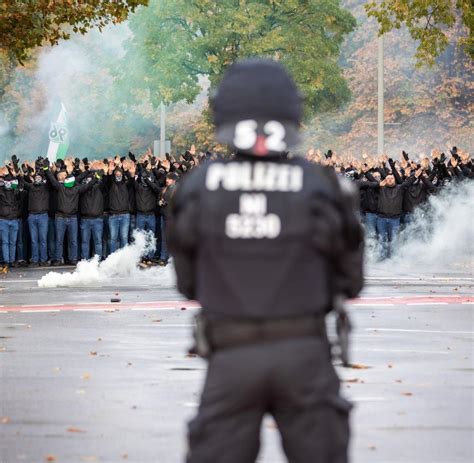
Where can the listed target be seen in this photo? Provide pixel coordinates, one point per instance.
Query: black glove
(132, 156)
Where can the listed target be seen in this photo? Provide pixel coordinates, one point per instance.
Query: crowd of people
(54, 213)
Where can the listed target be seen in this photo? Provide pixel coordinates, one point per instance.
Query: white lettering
(214, 176)
(258, 176)
(253, 204)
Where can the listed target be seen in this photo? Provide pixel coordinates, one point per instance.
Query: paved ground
(87, 380)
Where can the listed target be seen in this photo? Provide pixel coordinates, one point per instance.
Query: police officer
(265, 243)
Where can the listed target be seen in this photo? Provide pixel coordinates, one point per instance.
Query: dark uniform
(265, 243)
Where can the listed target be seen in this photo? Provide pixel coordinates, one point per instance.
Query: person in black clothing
(389, 208)
(369, 198)
(91, 207)
(38, 189)
(68, 205)
(164, 203)
(10, 212)
(147, 191)
(242, 232)
(118, 182)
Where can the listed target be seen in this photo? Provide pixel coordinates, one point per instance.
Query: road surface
(87, 380)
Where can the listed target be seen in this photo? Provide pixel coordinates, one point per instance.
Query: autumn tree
(26, 24)
(428, 21)
(175, 44)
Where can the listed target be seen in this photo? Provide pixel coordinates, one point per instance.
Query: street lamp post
(162, 130)
(380, 101)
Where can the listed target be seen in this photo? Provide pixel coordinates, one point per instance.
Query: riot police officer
(265, 243)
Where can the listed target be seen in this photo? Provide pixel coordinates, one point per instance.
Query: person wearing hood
(68, 192)
(147, 190)
(10, 212)
(38, 189)
(118, 184)
(164, 203)
(91, 207)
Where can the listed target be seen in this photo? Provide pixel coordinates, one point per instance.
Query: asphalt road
(86, 380)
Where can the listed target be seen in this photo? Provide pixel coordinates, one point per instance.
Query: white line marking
(156, 308)
(468, 302)
(404, 351)
(88, 310)
(371, 304)
(419, 331)
(40, 311)
(3, 311)
(41, 305)
(191, 404)
(427, 303)
(23, 280)
(367, 399)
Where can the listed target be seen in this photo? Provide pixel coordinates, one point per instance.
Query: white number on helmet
(276, 132)
(245, 135)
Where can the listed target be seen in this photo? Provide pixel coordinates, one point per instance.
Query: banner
(58, 137)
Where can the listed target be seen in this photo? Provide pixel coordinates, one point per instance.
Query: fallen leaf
(86, 376)
(129, 364)
(158, 320)
(354, 380)
(99, 339)
(372, 447)
(50, 458)
(190, 355)
(75, 430)
(4, 420)
(183, 308)
(390, 366)
(359, 366)
(408, 394)
(93, 352)
(398, 381)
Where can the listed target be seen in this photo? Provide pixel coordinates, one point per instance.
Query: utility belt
(212, 336)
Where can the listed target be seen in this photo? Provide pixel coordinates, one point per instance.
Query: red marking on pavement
(177, 305)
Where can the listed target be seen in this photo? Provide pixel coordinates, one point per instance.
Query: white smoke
(441, 237)
(122, 264)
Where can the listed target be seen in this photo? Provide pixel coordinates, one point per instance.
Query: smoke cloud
(122, 264)
(440, 239)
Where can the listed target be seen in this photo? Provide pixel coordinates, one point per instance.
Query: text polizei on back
(253, 220)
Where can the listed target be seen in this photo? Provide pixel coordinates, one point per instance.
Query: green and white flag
(58, 137)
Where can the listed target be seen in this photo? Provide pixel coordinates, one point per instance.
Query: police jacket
(10, 207)
(264, 238)
(118, 194)
(38, 197)
(68, 198)
(91, 203)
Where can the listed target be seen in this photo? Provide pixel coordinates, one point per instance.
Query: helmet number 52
(245, 135)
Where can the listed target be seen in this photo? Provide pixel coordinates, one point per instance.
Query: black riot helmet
(257, 108)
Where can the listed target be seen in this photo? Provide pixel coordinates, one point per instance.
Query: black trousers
(294, 381)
